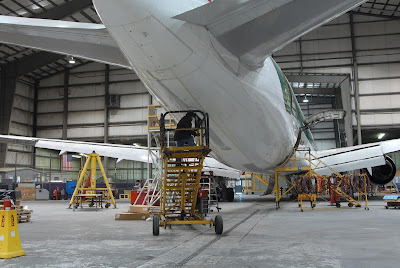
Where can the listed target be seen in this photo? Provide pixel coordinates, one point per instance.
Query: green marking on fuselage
(291, 104)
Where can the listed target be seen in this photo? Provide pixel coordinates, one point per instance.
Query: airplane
(213, 56)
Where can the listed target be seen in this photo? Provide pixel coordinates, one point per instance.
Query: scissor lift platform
(181, 174)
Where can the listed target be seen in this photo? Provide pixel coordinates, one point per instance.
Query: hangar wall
(376, 41)
(86, 105)
(22, 121)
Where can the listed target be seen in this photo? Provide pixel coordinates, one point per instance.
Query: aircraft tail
(252, 30)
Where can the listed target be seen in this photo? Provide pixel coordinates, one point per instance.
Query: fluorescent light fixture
(21, 12)
(305, 99)
(380, 136)
(71, 60)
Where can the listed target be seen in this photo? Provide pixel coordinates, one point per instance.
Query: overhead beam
(315, 78)
(375, 15)
(64, 10)
(35, 61)
(316, 91)
(314, 100)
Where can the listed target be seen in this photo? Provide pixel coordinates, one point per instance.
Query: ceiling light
(380, 136)
(71, 60)
(21, 12)
(305, 99)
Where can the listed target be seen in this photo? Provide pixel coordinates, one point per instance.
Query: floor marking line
(187, 259)
(251, 229)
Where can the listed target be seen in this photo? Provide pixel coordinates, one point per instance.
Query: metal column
(106, 112)
(65, 117)
(356, 83)
(8, 84)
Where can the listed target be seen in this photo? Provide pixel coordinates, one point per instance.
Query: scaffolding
(150, 193)
(253, 183)
(306, 164)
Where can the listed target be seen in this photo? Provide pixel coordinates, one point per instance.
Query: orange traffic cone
(10, 244)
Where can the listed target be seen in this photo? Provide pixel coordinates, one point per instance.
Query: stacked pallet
(24, 215)
(135, 213)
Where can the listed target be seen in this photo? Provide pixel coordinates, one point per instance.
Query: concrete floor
(255, 235)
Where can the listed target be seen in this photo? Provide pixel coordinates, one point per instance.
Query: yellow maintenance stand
(10, 244)
(86, 191)
(181, 174)
(250, 183)
(304, 162)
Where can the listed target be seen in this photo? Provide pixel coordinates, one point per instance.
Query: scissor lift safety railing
(251, 185)
(150, 193)
(180, 178)
(311, 170)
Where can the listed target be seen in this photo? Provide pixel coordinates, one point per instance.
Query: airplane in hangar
(213, 56)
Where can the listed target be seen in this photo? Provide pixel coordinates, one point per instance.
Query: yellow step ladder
(180, 178)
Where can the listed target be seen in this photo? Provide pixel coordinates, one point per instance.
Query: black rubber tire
(156, 225)
(350, 205)
(338, 205)
(386, 207)
(219, 225)
(183, 215)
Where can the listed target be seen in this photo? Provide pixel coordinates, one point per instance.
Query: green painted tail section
(291, 104)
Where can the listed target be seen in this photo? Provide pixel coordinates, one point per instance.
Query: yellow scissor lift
(251, 185)
(308, 165)
(181, 174)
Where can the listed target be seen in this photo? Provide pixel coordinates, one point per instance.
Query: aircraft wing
(84, 40)
(120, 152)
(254, 29)
(356, 157)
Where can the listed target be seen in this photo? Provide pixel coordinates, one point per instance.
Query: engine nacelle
(383, 174)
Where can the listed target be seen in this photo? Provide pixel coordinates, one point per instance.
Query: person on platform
(184, 132)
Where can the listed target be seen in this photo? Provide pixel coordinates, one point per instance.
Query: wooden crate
(27, 193)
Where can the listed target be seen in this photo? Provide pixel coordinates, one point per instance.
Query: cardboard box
(141, 209)
(28, 193)
(127, 216)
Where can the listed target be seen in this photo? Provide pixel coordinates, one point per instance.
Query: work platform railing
(253, 183)
(305, 164)
(150, 193)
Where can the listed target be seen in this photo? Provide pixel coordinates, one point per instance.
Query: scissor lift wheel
(219, 225)
(156, 225)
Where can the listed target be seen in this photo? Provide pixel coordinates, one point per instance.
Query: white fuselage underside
(185, 68)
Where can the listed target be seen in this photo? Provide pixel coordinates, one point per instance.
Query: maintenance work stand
(180, 177)
(86, 190)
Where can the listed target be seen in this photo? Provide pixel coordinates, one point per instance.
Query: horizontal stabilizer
(254, 29)
(83, 40)
(356, 157)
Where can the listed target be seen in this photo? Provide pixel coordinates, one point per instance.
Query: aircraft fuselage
(254, 116)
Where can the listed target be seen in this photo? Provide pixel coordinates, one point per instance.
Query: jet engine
(383, 174)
